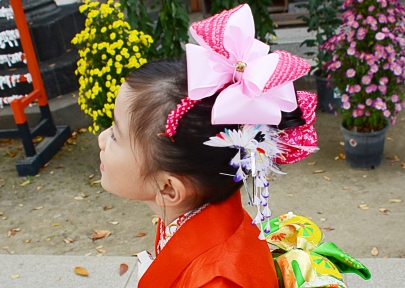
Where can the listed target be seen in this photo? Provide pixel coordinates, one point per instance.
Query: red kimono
(218, 247)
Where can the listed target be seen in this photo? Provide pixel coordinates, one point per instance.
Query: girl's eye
(112, 134)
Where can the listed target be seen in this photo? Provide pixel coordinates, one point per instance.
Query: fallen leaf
(95, 182)
(346, 188)
(123, 269)
(15, 276)
(326, 178)
(85, 195)
(1, 213)
(38, 208)
(342, 156)
(342, 143)
(17, 229)
(142, 234)
(55, 224)
(21, 205)
(78, 198)
(39, 187)
(318, 171)
(25, 183)
(384, 211)
(311, 163)
(107, 208)
(101, 250)
(11, 154)
(5, 247)
(100, 191)
(394, 159)
(48, 239)
(10, 232)
(4, 218)
(395, 200)
(27, 241)
(374, 251)
(327, 228)
(323, 219)
(88, 254)
(364, 207)
(60, 166)
(81, 271)
(91, 176)
(113, 223)
(389, 139)
(403, 164)
(51, 172)
(289, 195)
(100, 234)
(364, 176)
(68, 240)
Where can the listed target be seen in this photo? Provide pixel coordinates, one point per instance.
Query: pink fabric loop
(260, 83)
(301, 136)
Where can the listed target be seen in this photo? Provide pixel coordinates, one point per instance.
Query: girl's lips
(101, 167)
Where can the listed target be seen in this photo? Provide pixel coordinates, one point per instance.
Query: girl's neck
(168, 214)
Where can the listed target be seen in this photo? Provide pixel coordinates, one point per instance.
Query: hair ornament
(258, 146)
(174, 116)
(260, 83)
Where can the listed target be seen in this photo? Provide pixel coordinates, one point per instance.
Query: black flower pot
(364, 150)
(328, 99)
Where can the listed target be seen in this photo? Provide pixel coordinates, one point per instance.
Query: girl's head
(144, 101)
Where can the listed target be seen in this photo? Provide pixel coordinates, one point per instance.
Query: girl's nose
(102, 139)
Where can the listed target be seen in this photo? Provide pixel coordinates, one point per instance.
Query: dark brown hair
(158, 87)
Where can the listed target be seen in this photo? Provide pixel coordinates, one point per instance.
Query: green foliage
(263, 23)
(323, 19)
(169, 32)
(171, 29)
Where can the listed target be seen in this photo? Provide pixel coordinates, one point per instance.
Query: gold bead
(240, 66)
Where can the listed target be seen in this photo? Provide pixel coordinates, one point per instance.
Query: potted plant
(322, 20)
(108, 51)
(368, 69)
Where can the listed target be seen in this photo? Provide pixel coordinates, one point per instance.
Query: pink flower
(378, 105)
(361, 33)
(346, 105)
(374, 68)
(368, 113)
(393, 121)
(353, 44)
(401, 41)
(387, 113)
(350, 73)
(391, 19)
(382, 18)
(386, 66)
(338, 64)
(383, 80)
(390, 49)
(382, 88)
(361, 106)
(345, 98)
(396, 69)
(395, 98)
(371, 8)
(369, 102)
(366, 79)
(357, 88)
(379, 36)
(398, 107)
(351, 51)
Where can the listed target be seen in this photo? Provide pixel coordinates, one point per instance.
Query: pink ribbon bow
(260, 83)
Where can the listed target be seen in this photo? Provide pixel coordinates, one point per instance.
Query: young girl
(185, 138)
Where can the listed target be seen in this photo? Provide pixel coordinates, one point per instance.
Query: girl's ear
(172, 191)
